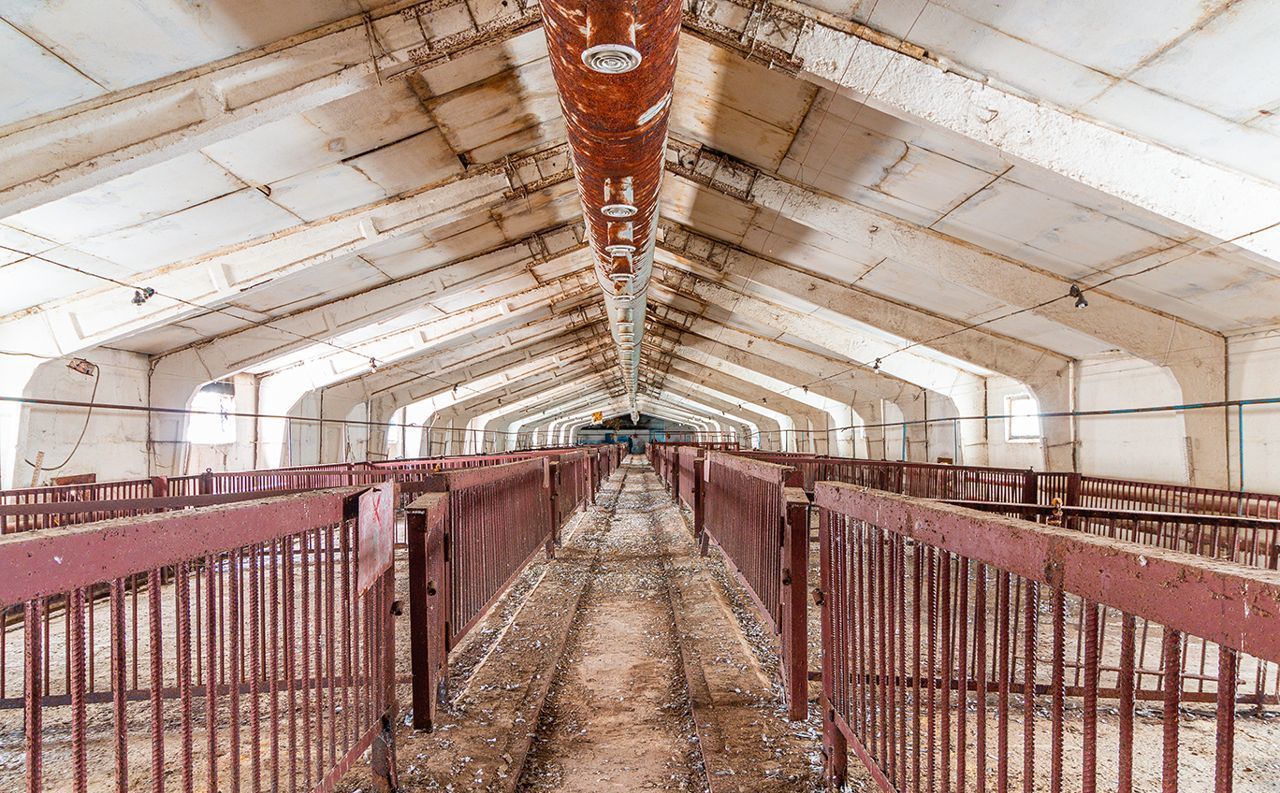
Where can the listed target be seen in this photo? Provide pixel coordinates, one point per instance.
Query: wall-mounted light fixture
(86, 368)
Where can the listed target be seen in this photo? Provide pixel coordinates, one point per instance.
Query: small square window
(1023, 423)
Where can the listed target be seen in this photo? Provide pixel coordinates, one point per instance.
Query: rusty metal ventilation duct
(614, 63)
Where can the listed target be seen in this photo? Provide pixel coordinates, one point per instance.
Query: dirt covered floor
(628, 663)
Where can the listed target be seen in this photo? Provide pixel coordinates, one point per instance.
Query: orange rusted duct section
(614, 63)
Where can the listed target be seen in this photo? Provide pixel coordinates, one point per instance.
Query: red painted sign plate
(377, 534)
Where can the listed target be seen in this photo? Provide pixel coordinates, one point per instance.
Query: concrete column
(871, 443)
(1203, 379)
(1055, 392)
(917, 434)
(381, 409)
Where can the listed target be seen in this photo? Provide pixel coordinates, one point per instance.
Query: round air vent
(618, 210)
(611, 58)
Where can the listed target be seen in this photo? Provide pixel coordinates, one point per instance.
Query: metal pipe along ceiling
(614, 63)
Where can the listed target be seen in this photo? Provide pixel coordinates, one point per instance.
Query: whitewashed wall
(1140, 446)
(1255, 373)
(1001, 452)
(1150, 447)
(115, 442)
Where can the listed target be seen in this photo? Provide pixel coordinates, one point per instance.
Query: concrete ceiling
(349, 185)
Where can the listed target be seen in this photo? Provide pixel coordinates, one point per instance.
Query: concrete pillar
(1203, 379)
(917, 445)
(1055, 392)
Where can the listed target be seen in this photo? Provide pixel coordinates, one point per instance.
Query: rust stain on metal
(614, 65)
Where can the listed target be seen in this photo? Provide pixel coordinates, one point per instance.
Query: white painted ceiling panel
(486, 62)
(326, 191)
(936, 140)
(228, 220)
(578, 261)
(801, 246)
(742, 109)
(149, 193)
(514, 111)
(1049, 183)
(93, 265)
(717, 215)
(1042, 229)
(1227, 67)
(122, 43)
(843, 157)
(24, 64)
(551, 207)
(1154, 116)
(1048, 334)
(17, 243)
(30, 282)
(322, 283)
(1078, 55)
(1268, 120)
(157, 341)
(1006, 60)
(1101, 34)
(400, 257)
(423, 159)
(1216, 289)
(276, 151)
(920, 286)
(346, 128)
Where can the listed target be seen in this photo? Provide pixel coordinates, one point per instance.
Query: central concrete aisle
(627, 663)
(618, 714)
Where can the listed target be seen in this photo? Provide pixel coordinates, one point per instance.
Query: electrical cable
(97, 375)
(791, 187)
(1076, 293)
(101, 406)
(228, 313)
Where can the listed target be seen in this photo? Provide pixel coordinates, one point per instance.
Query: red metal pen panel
(1042, 625)
(196, 655)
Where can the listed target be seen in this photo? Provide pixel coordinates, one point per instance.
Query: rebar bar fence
(1013, 485)
(464, 551)
(969, 651)
(237, 647)
(572, 485)
(25, 506)
(757, 515)
(64, 505)
(1132, 510)
(688, 469)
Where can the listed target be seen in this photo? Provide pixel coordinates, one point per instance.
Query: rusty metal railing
(1132, 510)
(963, 650)
(66, 505)
(245, 646)
(688, 468)
(572, 485)
(464, 550)
(1012, 485)
(1254, 542)
(757, 515)
(24, 502)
